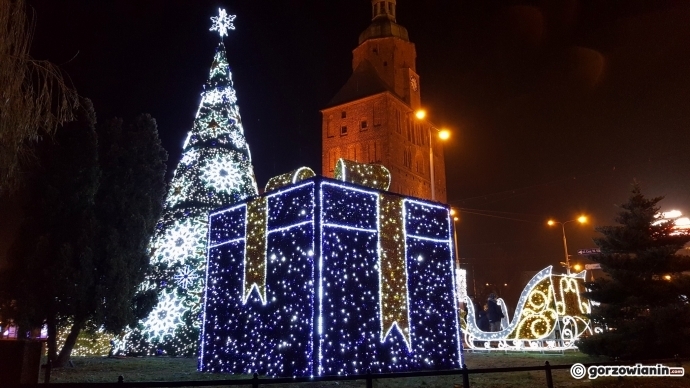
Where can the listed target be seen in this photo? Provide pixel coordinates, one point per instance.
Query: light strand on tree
(215, 171)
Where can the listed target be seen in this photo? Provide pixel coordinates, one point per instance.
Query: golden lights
(393, 269)
(255, 257)
(370, 175)
(289, 178)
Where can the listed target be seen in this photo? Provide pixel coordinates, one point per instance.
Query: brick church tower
(372, 118)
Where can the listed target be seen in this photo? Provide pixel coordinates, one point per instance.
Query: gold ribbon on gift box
(255, 260)
(393, 271)
(393, 268)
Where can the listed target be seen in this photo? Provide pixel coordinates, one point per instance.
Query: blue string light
(323, 306)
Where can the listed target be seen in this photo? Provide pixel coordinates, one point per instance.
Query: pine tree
(93, 203)
(215, 171)
(644, 309)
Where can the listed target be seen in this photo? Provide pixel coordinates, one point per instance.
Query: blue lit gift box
(324, 277)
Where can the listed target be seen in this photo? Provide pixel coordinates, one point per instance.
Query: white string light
(550, 315)
(222, 23)
(321, 313)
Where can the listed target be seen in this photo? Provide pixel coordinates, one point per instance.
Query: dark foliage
(93, 203)
(644, 310)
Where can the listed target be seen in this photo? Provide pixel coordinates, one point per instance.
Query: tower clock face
(413, 83)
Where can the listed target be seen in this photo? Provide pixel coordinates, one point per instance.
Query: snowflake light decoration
(184, 239)
(165, 317)
(221, 175)
(185, 277)
(222, 23)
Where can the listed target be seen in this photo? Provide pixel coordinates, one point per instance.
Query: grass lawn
(92, 369)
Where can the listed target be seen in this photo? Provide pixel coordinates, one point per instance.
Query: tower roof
(363, 82)
(383, 23)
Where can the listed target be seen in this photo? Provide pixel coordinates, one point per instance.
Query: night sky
(556, 106)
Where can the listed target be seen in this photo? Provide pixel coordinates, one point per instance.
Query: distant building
(372, 118)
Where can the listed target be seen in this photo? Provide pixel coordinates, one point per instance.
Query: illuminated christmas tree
(215, 171)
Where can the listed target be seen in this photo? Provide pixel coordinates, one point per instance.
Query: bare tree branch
(34, 96)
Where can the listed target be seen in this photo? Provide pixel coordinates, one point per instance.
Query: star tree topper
(222, 23)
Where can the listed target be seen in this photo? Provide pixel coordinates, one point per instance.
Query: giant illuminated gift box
(323, 277)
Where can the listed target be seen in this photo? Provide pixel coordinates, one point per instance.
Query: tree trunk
(71, 340)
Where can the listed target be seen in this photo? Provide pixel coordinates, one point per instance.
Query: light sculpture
(323, 277)
(550, 315)
(215, 171)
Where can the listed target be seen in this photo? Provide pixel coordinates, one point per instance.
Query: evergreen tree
(82, 253)
(644, 309)
(48, 279)
(215, 171)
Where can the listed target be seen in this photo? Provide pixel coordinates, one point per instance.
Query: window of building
(343, 130)
(330, 127)
(407, 157)
(363, 125)
(398, 128)
(343, 114)
(352, 152)
(417, 134)
(333, 155)
(379, 112)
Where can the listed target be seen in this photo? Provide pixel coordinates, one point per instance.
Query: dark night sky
(556, 105)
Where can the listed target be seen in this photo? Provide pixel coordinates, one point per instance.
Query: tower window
(407, 157)
(343, 130)
(343, 114)
(333, 155)
(363, 125)
(330, 128)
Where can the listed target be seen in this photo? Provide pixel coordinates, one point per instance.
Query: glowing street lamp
(582, 220)
(442, 134)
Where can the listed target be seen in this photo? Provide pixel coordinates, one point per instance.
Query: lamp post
(443, 134)
(582, 220)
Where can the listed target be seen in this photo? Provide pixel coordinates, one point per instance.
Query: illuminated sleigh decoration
(550, 316)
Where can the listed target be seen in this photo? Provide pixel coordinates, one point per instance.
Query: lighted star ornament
(222, 23)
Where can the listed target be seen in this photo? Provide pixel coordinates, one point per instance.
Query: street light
(582, 220)
(443, 134)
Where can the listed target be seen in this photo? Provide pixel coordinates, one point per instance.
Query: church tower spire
(383, 9)
(371, 119)
(383, 22)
